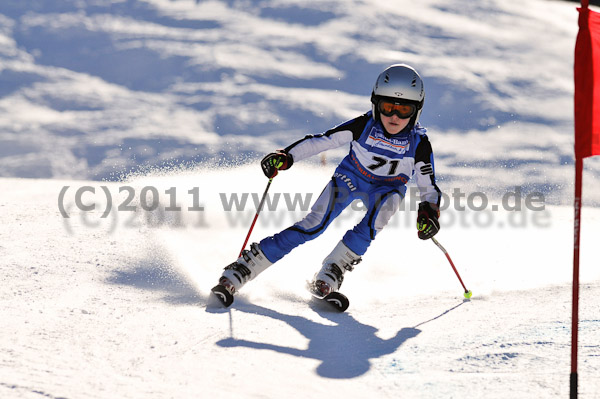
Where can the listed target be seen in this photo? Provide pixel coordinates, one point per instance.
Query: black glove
(275, 161)
(427, 220)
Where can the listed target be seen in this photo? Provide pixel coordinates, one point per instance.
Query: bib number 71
(381, 162)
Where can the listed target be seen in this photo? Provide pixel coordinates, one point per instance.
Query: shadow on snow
(344, 349)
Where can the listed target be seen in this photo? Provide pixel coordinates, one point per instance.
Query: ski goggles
(404, 111)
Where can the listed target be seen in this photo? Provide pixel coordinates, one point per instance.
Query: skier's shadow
(344, 348)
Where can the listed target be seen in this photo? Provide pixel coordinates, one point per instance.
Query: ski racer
(388, 147)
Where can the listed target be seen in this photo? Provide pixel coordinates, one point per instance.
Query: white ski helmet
(401, 84)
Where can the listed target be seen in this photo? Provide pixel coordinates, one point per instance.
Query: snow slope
(99, 308)
(189, 94)
(93, 89)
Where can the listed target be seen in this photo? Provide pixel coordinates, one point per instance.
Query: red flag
(587, 143)
(587, 84)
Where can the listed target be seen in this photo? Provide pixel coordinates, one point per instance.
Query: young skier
(388, 147)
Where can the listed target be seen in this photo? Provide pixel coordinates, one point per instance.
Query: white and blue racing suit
(376, 170)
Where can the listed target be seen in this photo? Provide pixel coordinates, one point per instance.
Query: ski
(223, 295)
(336, 299)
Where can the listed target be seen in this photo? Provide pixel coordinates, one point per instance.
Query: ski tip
(224, 296)
(338, 300)
(335, 299)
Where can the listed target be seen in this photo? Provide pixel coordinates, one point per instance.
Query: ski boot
(329, 279)
(237, 274)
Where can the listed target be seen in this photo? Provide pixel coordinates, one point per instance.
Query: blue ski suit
(375, 170)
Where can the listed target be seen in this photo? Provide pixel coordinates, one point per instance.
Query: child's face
(393, 124)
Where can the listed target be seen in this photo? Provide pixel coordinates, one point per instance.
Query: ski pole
(467, 293)
(256, 216)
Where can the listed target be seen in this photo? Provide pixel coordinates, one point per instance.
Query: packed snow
(155, 112)
(120, 306)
